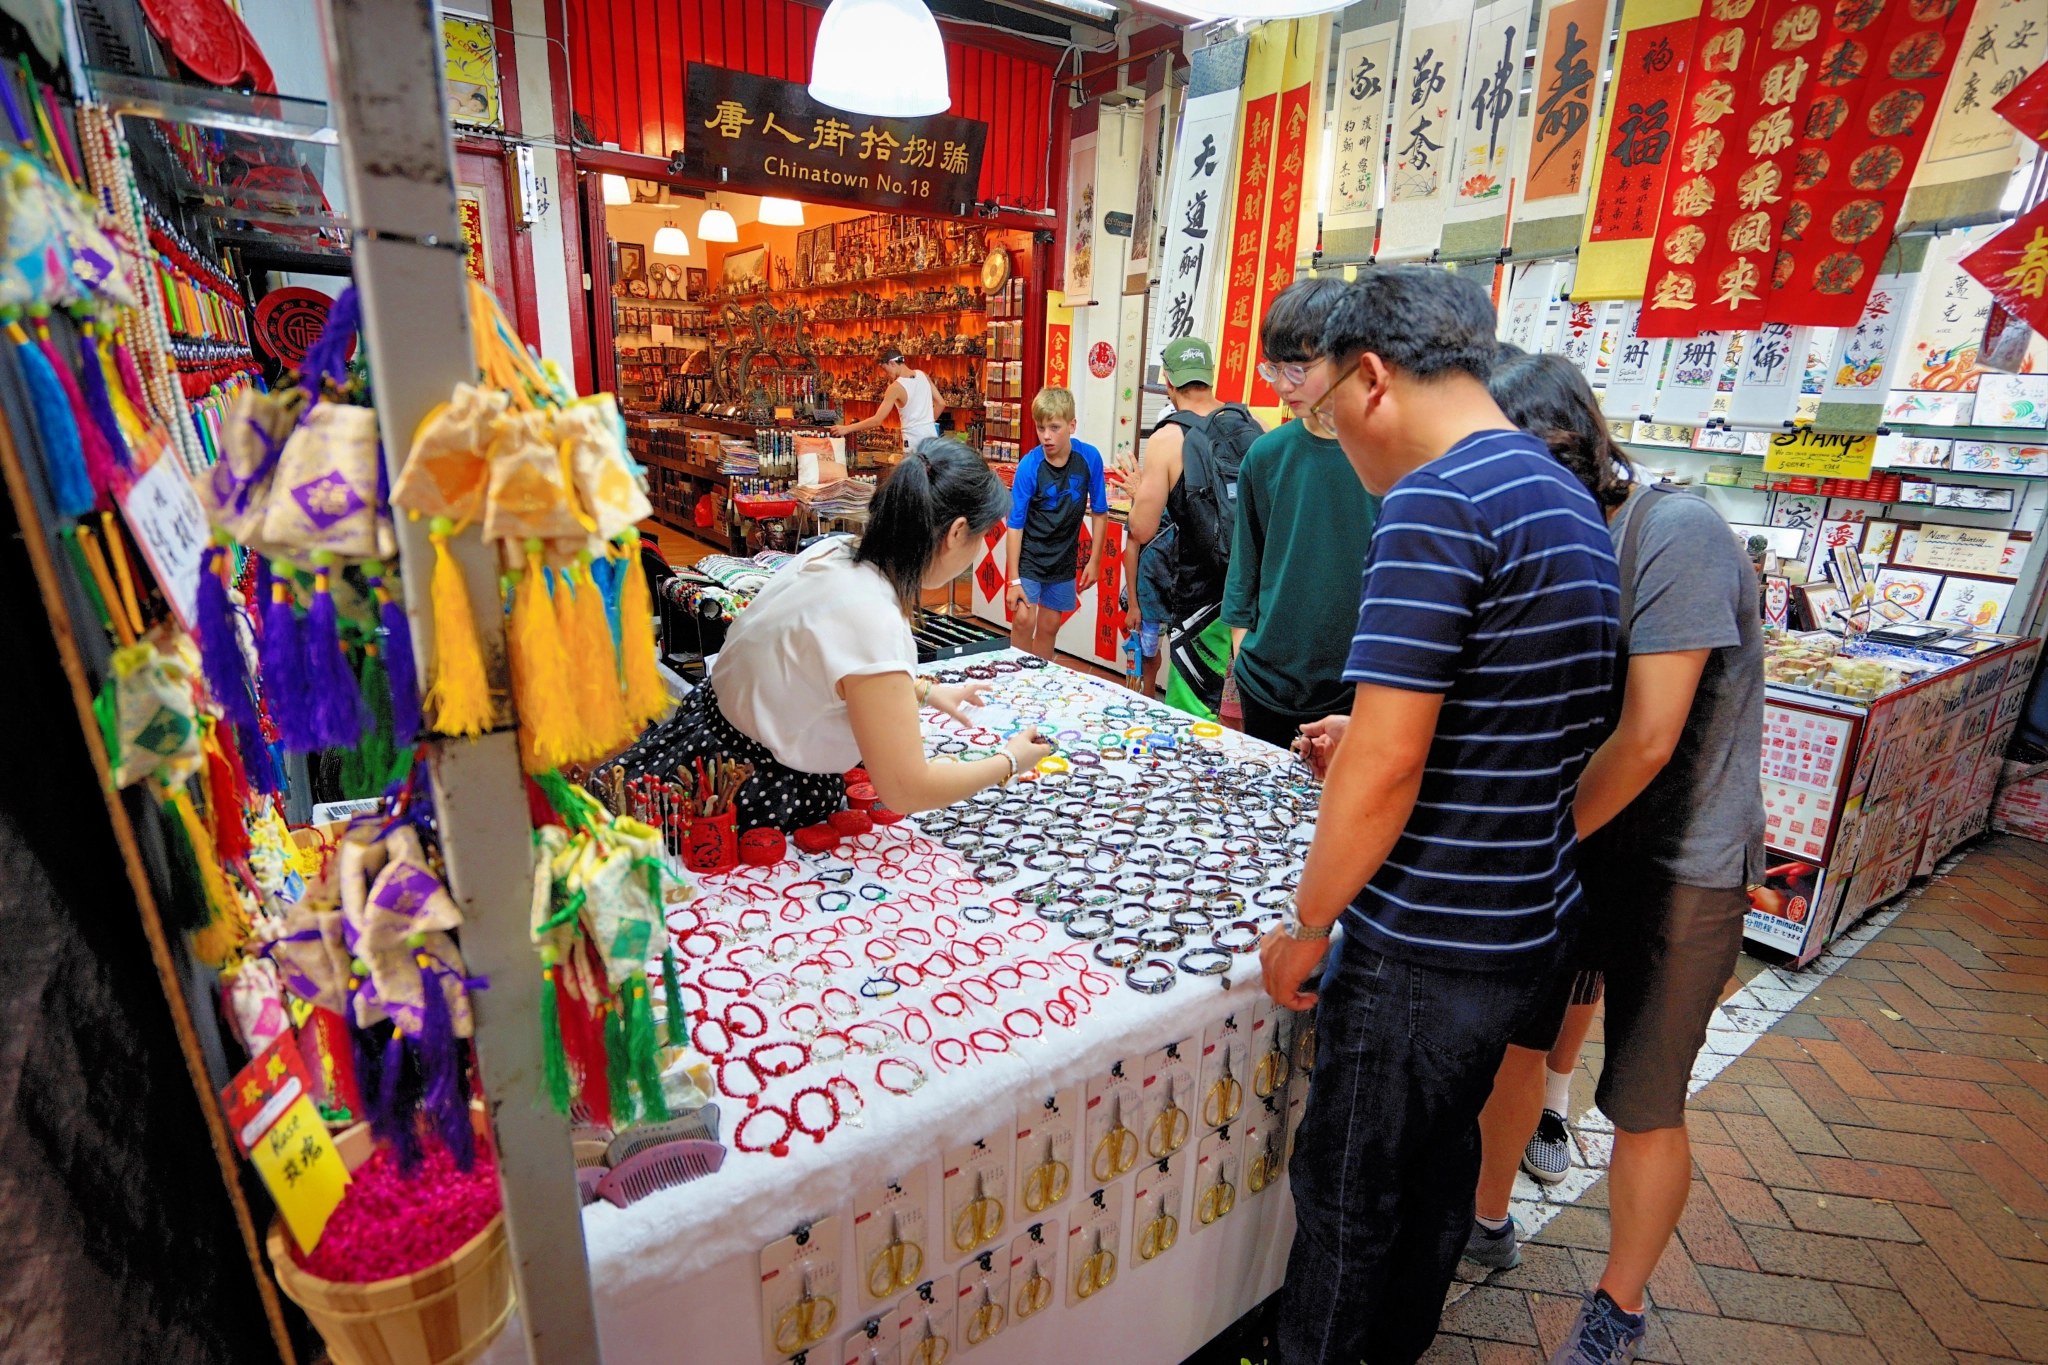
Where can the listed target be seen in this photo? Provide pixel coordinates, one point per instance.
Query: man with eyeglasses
(1483, 658)
(1304, 522)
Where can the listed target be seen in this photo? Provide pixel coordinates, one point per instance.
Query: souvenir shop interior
(404, 1010)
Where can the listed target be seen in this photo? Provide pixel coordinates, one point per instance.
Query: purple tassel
(220, 648)
(93, 380)
(285, 685)
(131, 378)
(70, 481)
(327, 358)
(399, 668)
(447, 1107)
(258, 760)
(92, 442)
(337, 701)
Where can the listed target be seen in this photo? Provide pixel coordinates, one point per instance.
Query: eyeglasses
(1296, 375)
(1315, 409)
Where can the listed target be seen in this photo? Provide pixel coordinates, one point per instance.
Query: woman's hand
(954, 700)
(1027, 748)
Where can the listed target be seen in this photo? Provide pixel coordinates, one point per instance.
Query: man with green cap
(1189, 473)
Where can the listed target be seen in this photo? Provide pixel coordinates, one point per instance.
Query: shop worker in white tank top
(912, 393)
(819, 673)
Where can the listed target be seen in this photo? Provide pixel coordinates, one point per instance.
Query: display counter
(922, 1041)
(1877, 763)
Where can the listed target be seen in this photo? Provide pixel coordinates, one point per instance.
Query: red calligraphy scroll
(1643, 104)
(1254, 179)
(1876, 84)
(1059, 354)
(1109, 621)
(1277, 270)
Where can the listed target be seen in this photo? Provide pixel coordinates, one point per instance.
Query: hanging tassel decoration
(92, 442)
(70, 480)
(554, 1061)
(547, 713)
(286, 686)
(220, 643)
(446, 1105)
(399, 670)
(647, 698)
(618, 1069)
(672, 996)
(224, 800)
(337, 701)
(257, 760)
(373, 765)
(641, 1048)
(591, 661)
(92, 382)
(459, 696)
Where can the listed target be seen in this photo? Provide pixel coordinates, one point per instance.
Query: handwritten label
(164, 516)
(274, 1122)
(1959, 549)
(1829, 455)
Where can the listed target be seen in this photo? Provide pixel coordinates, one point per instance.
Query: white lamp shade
(616, 191)
(716, 226)
(881, 57)
(781, 212)
(670, 241)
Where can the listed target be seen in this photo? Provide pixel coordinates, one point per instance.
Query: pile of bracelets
(1149, 850)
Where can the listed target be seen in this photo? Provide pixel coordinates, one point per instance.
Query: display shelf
(285, 116)
(840, 286)
(1731, 455)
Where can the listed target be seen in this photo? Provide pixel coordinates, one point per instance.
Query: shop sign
(758, 133)
(1827, 455)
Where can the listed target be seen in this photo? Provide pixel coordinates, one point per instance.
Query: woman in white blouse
(818, 674)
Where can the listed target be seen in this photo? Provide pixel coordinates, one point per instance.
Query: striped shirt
(1491, 580)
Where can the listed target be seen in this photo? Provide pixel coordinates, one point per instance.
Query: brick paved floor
(1870, 1180)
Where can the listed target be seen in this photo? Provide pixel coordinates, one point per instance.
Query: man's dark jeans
(1387, 1156)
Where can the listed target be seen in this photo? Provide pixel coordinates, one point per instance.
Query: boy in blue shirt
(1058, 481)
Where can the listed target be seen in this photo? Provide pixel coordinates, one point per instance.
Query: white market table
(1152, 817)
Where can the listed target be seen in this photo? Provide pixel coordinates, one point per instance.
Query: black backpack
(1204, 501)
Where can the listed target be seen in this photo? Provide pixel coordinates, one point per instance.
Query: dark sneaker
(1495, 1250)
(1603, 1335)
(1549, 1153)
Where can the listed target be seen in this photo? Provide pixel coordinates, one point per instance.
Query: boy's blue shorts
(1059, 596)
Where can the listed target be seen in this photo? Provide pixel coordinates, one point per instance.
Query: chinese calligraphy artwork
(1859, 373)
(1563, 101)
(2013, 266)
(1636, 156)
(1486, 114)
(1081, 216)
(1427, 101)
(1364, 84)
(2005, 41)
(1283, 217)
(1197, 210)
(1234, 356)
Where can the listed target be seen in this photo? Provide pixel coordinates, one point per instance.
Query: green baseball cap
(1188, 360)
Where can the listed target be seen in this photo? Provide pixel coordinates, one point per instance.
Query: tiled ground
(1869, 1172)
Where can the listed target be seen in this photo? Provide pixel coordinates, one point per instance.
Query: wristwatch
(1304, 933)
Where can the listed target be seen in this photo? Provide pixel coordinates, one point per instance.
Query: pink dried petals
(388, 1224)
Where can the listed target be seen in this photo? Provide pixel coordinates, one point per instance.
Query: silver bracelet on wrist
(1005, 753)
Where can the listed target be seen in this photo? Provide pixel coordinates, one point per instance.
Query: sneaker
(1495, 1250)
(1603, 1335)
(1549, 1153)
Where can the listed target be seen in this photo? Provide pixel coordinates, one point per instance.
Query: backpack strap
(1631, 539)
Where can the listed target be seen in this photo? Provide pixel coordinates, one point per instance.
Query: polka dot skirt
(775, 796)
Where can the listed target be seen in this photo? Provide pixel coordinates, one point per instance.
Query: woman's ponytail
(942, 482)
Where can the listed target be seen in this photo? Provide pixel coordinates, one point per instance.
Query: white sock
(1493, 1224)
(1557, 1092)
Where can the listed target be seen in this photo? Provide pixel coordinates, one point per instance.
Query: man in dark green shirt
(1304, 523)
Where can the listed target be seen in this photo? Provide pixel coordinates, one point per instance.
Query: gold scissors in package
(806, 1322)
(1035, 1294)
(1225, 1097)
(986, 1320)
(1270, 1076)
(1168, 1131)
(1097, 1270)
(931, 1348)
(979, 1220)
(1160, 1234)
(1219, 1198)
(895, 1266)
(1046, 1183)
(1305, 1046)
(1266, 1167)
(1117, 1152)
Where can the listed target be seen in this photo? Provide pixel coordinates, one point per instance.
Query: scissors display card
(1045, 1149)
(872, 1342)
(1093, 1244)
(983, 1307)
(1115, 1110)
(977, 1191)
(1219, 1172)
(925, 1323)
(800, 1290)
(1263, 1133)
(1167, 1099)
(1034, 1269)
(1271, 1049)
(1156, 1208)
(1226, 1066)
(891, 1237)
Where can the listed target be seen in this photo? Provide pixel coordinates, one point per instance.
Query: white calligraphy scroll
(1198, 210)
(1476, 219)
(1767, 385)
(1972, 151)
(1859, 374)
(1365, 84)
(1082, 214)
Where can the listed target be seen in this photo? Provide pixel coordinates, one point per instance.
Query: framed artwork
(803, 255)
(699, 281)
(1909, 588)
(1819, 601)
(632, 262)
(1973, 602)
(1777, 601)
(1878, 539)
(745, 271)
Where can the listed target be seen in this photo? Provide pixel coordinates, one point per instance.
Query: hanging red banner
(2014, 267)
(1277, 270)
(1254, 176)
(1880, 68)
(1649, 85)
(1059, 355)
(2026, 107)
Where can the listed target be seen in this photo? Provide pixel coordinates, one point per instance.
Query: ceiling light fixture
(670, 241)
(616, 191)
(883, 58)
(717, 226)
(781, 212)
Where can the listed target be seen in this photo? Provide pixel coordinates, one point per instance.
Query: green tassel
(640, 1042)
(672, 993)
(618, 1066)
(370, 767)
(187, 909)
(554, 1064)
(106, 709)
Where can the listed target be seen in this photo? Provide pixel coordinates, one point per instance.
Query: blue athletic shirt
(1491, 580)
(1047, 505)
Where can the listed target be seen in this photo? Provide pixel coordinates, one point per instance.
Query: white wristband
(1005, 753)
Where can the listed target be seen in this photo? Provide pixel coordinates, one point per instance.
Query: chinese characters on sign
(762, 134)
(1364, 62)
(2014, 266)
(1486, 111)
(1283, 219)
(1425, 117)
(1563, 98)
(1644, 102)
(1254, 179)
(1196, 221)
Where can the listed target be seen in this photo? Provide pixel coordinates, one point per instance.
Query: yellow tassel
(459, 698)
(593, 665)
(549, 733)
(647, 699)
(228, 925)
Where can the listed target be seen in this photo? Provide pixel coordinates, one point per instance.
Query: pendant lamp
(717, 226)
(670, 241)
(881, 57)
(616, 190)
(781, 212)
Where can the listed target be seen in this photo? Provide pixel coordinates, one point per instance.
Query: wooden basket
(445, 1314)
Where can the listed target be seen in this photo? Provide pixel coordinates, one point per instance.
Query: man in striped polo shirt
(1483, 658)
